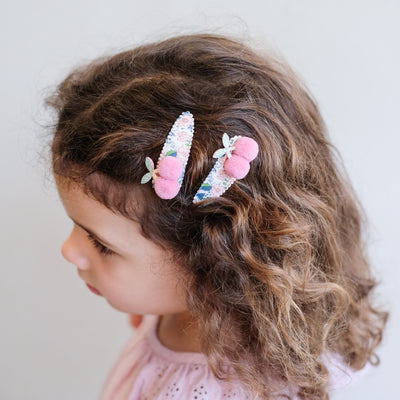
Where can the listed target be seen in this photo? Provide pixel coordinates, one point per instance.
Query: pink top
(147, 370)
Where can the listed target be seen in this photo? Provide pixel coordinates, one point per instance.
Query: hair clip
(233, 162)
(168, 175)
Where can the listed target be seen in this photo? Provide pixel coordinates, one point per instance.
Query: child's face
(131, 272)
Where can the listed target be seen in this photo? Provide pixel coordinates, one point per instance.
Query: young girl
(206, 196)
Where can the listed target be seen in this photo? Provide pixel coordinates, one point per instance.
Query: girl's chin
(126, 308)
(118, 308)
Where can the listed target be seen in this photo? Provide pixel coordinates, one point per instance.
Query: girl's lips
(93, 289)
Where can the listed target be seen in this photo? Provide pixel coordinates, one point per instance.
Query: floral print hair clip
(167, 177)
(233, 162)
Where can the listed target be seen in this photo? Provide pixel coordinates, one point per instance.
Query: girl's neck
(179, 332)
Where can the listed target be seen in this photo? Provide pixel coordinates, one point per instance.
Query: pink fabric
(146, 370)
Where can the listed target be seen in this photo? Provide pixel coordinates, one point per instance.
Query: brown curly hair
(277, 270)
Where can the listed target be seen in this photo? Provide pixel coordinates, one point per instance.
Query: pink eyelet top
(147, 370)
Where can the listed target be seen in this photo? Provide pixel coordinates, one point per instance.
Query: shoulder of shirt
(340, 373)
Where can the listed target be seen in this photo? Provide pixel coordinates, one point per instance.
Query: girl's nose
(73, 253)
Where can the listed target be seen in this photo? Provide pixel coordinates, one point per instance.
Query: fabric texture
(147, 370)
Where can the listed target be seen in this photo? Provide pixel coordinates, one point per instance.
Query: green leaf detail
(149, 164)
(146, 177)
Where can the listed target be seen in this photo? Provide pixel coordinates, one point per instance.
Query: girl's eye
(102, 249)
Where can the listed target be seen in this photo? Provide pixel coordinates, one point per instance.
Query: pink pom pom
(236, 167)
(170, 168)
(246, 147)
(166, 189)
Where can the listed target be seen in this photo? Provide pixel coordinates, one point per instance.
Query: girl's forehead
(123, 200)
(67, 187)
(89, 213)
(78, 201)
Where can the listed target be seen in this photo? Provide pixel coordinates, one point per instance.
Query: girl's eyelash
(102, 249)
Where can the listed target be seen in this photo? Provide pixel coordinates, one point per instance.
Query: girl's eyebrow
(97, 237)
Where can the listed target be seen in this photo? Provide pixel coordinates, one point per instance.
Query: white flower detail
(226, 150)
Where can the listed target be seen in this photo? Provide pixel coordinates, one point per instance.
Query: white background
(58, 340)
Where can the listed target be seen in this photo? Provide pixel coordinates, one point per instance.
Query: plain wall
(58, 340)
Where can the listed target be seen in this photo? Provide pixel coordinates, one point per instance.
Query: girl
(206, 195)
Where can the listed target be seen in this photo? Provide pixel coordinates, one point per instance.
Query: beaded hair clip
(233, 162)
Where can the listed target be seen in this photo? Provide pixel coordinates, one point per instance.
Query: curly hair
(277, 268)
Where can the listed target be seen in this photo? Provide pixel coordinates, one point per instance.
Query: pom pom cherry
(165, 188)
(236, 166)
(170, 168)
(246, 147)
